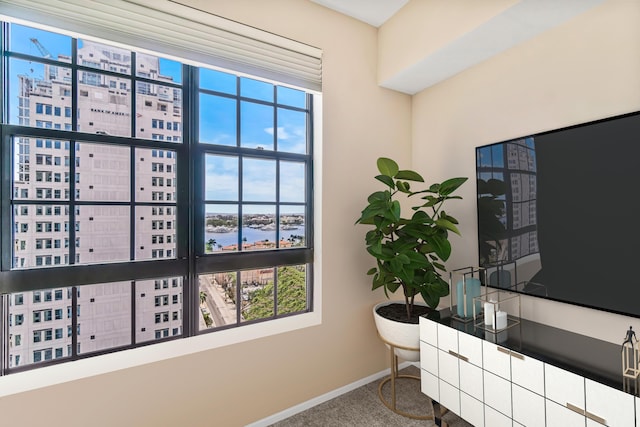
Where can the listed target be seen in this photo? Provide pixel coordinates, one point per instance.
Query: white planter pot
(398, 333)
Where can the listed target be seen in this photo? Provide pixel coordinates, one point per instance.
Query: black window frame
(190, 259)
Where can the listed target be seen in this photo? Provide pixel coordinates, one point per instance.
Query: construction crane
(43, 50)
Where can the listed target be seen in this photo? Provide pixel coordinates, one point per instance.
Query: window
(251, 154)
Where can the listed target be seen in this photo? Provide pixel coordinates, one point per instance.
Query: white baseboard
(325, 397)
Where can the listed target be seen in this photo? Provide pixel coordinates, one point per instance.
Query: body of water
(252, 235)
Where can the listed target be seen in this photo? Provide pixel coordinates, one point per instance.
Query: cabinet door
(448, 368)
(429, 358)
(564, 388)
(429, 385)
(527, 372)
(471, 380)
(608, 406)
(429, 331)
(497, 393)
(496, 359)
(471, 410)
(470, 348)
(493, 418)
(528, 407)
(449, 397)
(447, 338)
(561, 416)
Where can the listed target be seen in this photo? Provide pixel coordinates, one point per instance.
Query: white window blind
(181, 31)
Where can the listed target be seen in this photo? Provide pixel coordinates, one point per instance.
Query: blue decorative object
(467, 295)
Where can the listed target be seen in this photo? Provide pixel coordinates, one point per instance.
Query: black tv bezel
(534, 135)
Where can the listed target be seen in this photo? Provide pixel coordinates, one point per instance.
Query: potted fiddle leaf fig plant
(409, 251)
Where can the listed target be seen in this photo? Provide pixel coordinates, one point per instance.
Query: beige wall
(431, 25)
(242, 383)
(585, 69)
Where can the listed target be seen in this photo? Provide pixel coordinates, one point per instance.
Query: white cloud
(282, 133)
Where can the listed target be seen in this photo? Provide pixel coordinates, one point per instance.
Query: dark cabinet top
(591, 358)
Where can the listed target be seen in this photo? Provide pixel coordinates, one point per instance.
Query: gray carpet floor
(362, 407)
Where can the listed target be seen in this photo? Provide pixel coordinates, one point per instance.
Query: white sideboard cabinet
(536, 376)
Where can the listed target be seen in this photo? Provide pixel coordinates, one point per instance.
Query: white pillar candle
(501, 320)
(488, 314)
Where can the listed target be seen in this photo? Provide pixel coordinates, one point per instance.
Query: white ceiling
(373, 12)
(522, 21)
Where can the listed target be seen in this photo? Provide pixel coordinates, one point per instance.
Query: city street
(222, 313)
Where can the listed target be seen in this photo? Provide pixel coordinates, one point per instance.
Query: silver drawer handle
(459, 356)
(517, 355)
(503, 350)
(511, 353)
(595, 418)
(574, 408)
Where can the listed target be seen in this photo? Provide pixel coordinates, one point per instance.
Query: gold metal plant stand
(394, 375)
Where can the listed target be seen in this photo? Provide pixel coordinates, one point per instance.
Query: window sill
(85, 368)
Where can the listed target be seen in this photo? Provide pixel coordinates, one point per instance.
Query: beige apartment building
(41, 321)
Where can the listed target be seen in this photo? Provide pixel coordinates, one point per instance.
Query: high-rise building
(48, 170)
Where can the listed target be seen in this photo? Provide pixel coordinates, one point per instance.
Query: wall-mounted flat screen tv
(559, 214)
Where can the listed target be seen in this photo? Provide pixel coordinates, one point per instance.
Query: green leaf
(396, 210)
(439, 266)
(388, 181)
(409, 176)
(403, 259)
(387, 167)
(430, 201)
(445, 223)
(432, 300)
(451, 185)
(403, 186)
(372, 271)
(441, 246)
(379, 196)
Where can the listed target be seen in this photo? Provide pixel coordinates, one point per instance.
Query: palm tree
(203, 297)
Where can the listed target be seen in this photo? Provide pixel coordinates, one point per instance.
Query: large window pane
(256, 126)
(258, 227)
(104, 104)
(256, 89)
(40, 169)
(156, 175)
(292, 97)
(104, 316)
(292, 182)
(292, 226)
(217, 120)
(103, 234)
(103, 172)
(41, 236)
(158, 308)
(159, 112)
(292, 131)
(158, 68)
(39, 95)
(257, 294)
(292, 289)
(221, 178)
(218, 81)
(104, 57)
(40, 323)
(217, 296)
(258, 180)
(36, 42)
(221, 228)
(155, 232)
